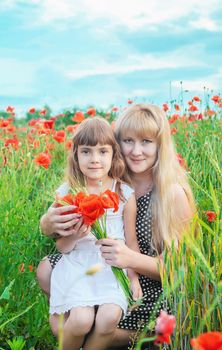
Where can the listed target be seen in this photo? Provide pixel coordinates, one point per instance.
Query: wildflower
(196, 99)
(60, 136)
(130, 102)
(32, 110)
(43, 112)
(30, 268)
(114, 109)
(173, 131)
(71, 128)
(94, 269)
(177, 107)
(22, 267)
(173, 118)
(13, 142)
(165, 107)
(78, 117)
(165, 325)
(43, 159)
(193, 108)
(91, 112)
(68, 144)
(211, 215)
(10, 109)
(207, 341)
(216, 98)
(181, 160)
(48, 124)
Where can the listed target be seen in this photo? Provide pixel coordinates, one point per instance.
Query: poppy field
(33, 153)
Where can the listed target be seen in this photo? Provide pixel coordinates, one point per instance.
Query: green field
(193, 276)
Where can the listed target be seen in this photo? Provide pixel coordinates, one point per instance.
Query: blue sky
(96, 52)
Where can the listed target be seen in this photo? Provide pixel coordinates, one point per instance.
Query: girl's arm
(66, 244)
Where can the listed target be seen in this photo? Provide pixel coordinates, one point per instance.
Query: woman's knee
(43, 274)
(80, 320)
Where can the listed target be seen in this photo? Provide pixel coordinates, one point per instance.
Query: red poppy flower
(4, 123)
(173, 118)
(207, 341)
(32, 110)
(68, 144)
(193, 108)
(165, 107)
(110, 199)
(43, 159)
(48, 124)
(60, 136)
(173, 131)
(43, 112)
(78, 117)
(164, 328)
(91, 112)
(10, 109)
(181, 160)
(196, 98)
(216, 98)
(130, 102)
(30, 268)
(13, 142)
(177, 107)
(115, 109)
(211, 215)
(91, 208)
(71, 128)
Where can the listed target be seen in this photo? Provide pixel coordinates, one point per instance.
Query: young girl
(96, 301)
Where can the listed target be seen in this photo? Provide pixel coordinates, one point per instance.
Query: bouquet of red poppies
(93, 208)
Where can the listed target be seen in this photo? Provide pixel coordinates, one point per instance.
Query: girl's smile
(95, 161)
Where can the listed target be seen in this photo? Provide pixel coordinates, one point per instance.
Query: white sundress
(70, 286)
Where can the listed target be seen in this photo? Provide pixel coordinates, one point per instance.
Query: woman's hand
(54, 222)
(136, 288)
(115, 252)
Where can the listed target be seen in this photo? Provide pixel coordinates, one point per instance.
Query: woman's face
(140, 153)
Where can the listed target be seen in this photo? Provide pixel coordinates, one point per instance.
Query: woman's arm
(54, 222)
(118, 254)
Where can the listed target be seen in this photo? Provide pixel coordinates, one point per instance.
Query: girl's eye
(103, 151)
(84, 151)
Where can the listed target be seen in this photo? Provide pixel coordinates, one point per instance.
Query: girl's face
(95, 161)
(140, 153)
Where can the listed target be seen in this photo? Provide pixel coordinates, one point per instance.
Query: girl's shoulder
(63, 189)
(126, 190)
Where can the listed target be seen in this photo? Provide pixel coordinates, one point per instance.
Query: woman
(165, 206)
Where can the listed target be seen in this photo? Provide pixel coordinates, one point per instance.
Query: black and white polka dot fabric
(151, 288)
(54, 258)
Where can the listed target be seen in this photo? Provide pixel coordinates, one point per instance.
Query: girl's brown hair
(90, 132)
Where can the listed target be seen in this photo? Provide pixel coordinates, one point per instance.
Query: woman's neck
(142, 183)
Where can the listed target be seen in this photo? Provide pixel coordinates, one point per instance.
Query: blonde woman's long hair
(90, 132)
(149, 121)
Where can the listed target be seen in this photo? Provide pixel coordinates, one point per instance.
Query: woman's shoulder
(63, 189)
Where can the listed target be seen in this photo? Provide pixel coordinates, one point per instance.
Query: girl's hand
(136, 289)
(115, 252)
(53, 222)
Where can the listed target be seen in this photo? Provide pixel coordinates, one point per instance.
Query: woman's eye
(103, 151)
(127, 140)
(146, 141)
(85, 151)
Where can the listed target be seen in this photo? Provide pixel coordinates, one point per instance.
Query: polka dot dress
(151, 288)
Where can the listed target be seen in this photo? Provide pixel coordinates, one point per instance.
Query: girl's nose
(94, 157)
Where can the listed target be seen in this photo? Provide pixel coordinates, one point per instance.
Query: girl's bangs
(93, 134)
(141, 125)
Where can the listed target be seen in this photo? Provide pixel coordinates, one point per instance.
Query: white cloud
(210, 82)
(133, 14)
(180, 58)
